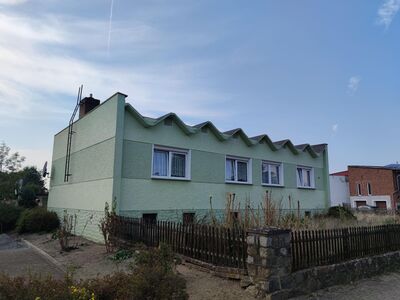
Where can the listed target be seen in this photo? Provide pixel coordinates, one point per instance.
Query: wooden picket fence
(324, 247)
(218, 246)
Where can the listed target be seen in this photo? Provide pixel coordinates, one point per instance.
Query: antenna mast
(70, 133)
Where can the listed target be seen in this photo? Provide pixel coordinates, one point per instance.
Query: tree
(32, 185)
(9, 162)
(28, 196)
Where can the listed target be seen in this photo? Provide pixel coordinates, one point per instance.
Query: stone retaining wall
(269, 267)
(309, 280)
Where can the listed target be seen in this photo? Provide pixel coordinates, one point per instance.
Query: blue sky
(312, 71)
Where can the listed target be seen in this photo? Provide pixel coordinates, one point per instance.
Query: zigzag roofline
(313, 150)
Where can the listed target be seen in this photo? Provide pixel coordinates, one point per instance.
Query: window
(272, 173)
(234, 216)
(188, 218)
(369, 189)
(237, 170)
(150, 218)
(358, 187)
(398, 182)
(170, 163)
(305, 177)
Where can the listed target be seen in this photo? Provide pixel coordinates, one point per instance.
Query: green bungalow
(167, 170)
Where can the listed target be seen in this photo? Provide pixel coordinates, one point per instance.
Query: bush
(340, 212)
(28, 196)
(9, 215)
(37, 220)
(122, 254)
(151, 278)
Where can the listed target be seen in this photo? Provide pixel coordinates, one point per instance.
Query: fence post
(345, 237)
(269, 260)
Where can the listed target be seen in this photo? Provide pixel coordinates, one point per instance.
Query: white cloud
(387, 12)
(353, 84)
(12, 2)
(335, 128)
(43, 58)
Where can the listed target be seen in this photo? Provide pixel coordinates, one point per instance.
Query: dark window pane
(242, 171)
(274, 174)
(150, 218)
(188, 218)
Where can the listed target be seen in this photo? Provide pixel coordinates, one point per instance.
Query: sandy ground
(90, 260)
(201, 285)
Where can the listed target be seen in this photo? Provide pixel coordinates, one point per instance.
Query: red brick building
(375, 186)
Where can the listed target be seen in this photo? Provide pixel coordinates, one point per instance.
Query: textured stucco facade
(112, 160)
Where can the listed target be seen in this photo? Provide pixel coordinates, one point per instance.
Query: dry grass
(270, 213)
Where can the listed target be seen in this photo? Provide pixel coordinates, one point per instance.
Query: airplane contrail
(109, 27)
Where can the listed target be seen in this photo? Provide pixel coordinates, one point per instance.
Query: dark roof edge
(313, 150)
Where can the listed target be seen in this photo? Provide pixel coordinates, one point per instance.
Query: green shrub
(340, 212)
(122, 254)
(37, 220)
(147, 280)
(9, 215)
(28, 196)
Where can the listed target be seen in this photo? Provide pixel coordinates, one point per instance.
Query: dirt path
(91, 260)
(88, 261)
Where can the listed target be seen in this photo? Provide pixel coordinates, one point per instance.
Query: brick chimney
(87, 104)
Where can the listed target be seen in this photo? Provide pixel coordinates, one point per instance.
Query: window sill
(170, 178)
(238, 182)
(306, 188)
(273, 185)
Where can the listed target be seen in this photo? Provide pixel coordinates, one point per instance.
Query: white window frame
(186, 152)
(248, 161)
(312, 179)
(272, 163)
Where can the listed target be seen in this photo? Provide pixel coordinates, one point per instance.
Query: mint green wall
(111, 160)
(140, 193)
(94, 148)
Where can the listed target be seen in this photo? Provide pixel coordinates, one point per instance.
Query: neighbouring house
(161, 168)
(339, 187)
(375, 186)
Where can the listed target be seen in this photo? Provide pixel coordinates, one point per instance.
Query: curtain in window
(274, 174)
(178, 165)
(230, 169)
(160, 163)
(265, 174)
(300, 176)
(242, 171)
(307, 179)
